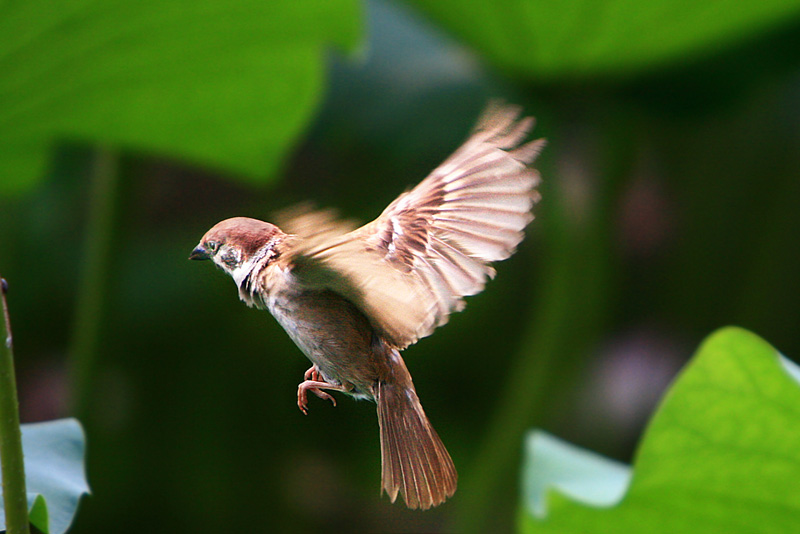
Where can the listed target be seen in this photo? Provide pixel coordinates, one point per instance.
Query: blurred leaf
(37, 515)
(54, 473)
(227, 84)
(719, 455)
(553, 464)
(586, 37)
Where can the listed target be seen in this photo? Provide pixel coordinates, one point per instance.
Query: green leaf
(720, 455)
(572, 38)
(38, 516)
(555, 465)
(224, 83)
(54, 473)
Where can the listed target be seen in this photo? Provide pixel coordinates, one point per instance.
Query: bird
(352, 298)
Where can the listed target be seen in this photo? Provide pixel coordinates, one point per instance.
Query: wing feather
(410, 268)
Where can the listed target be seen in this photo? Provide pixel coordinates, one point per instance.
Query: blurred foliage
(719, 455)
(178, 78)
(579, 38)
(554, 467)
(669, 209)
(55, 474)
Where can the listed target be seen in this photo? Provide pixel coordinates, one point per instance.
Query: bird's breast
(330, 331)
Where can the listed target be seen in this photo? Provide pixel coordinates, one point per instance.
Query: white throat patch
(245, 274)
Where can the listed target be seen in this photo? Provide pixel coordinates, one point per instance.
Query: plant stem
(568, 304)
(15, 496)
(567, 321)
(94, 278)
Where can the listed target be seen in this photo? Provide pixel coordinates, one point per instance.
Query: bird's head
(237, 245)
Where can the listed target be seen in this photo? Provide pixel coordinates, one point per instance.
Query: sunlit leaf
(54, 473)
(227, 84)
(720, 455)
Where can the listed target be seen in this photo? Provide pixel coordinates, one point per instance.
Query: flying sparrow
(352, 299)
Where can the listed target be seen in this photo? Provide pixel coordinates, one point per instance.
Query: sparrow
(353, 298)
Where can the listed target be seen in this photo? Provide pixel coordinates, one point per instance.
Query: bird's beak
(199, 253)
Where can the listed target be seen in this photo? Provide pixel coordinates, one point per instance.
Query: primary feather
(411, 267)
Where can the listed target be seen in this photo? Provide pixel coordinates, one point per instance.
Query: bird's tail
(414, 460)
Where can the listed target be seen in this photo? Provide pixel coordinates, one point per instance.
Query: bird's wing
(314, 225)
(411, 267)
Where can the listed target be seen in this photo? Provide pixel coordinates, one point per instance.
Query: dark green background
(670, 193)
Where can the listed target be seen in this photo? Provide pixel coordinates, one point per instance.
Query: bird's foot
(313, 374)
(315, 387)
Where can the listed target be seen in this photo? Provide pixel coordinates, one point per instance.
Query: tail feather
(414, 459)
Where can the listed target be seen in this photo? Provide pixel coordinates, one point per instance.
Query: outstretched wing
(411, 267)
(312, 224)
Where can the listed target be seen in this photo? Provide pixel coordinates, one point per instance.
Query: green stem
(568, 319)
(94, 278)
(15, 496)
(569, 304)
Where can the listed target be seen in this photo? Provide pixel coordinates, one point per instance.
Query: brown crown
(247, 234)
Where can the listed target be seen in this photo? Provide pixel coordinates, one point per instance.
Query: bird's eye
(212, 246)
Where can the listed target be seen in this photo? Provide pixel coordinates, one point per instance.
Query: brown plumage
(353, 298)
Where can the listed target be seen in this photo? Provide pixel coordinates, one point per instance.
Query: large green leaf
(225, 83)
(54, 473)
(545, 39)
(722, 454)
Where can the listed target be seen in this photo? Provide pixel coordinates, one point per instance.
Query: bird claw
(315, 387)
(313, 374)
